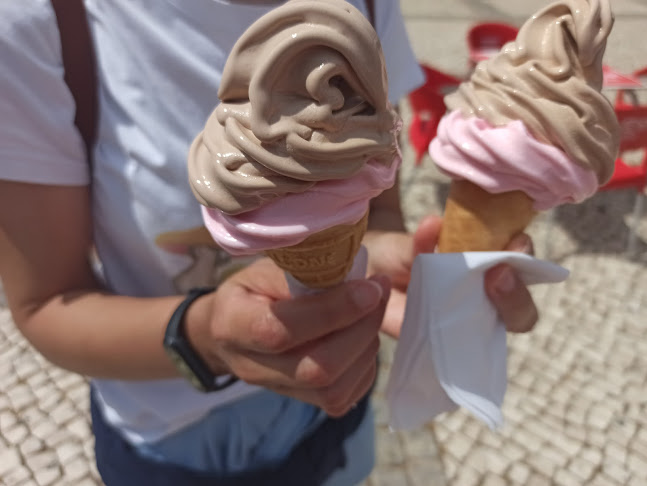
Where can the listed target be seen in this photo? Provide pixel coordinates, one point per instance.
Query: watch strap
(181, 351)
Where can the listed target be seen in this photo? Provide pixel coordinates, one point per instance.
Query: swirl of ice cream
(550, 79)
(301, 102)
(502, 159)
(291, 219)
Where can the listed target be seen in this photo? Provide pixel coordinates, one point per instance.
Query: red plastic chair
(487, 38)
(428, 107)
(632, 118)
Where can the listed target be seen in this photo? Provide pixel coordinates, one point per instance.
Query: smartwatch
(185, 358)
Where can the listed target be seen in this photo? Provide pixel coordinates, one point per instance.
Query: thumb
(262, 278)
(426, 236)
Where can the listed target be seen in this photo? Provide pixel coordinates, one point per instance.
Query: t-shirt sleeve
(39, 142)
(402, 67)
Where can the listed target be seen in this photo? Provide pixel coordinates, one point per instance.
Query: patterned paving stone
(37, 406)
(572, 384)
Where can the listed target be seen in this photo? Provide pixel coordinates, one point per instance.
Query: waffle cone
(323, 259)
(476, 220)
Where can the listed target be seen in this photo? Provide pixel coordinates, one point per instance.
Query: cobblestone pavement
(576, 406)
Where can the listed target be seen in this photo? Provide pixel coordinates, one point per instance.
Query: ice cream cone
(323, 259)
(476, 220)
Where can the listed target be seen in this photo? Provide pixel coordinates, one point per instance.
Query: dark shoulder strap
(79, 65)
(370, 8)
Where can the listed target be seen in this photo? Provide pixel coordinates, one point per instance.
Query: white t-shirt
(159, 64)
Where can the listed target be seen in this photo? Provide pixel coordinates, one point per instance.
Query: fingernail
(505, 282)
(367, 294)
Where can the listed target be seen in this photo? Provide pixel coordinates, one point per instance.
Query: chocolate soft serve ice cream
(303, 138)
(530, 129)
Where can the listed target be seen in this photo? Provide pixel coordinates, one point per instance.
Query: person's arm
(318, 348)
(45, 242)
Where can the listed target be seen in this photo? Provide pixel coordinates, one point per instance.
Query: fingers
(339, 396)
(521, 243)
(320, 348)
(251, 321)
(511, 298)
(426, 236)
(390, 253)
(337, 407)
(264, 279)
(310, 317)
(394, 314)
(509, 294)
(316, 363)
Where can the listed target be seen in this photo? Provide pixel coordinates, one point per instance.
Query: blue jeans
(318, 457)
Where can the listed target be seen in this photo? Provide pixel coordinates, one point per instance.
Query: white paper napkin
(452, 349)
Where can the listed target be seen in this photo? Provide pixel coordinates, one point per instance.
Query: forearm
(102, 335)
(45, 237)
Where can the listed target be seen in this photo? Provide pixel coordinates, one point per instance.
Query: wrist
(182, 352)
(198, 321)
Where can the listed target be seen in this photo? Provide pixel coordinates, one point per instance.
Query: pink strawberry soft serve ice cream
(508, 158)
(532, 118)
(304, 135)
(292, 218)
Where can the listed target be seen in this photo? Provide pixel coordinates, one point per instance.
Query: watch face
(183, 368)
